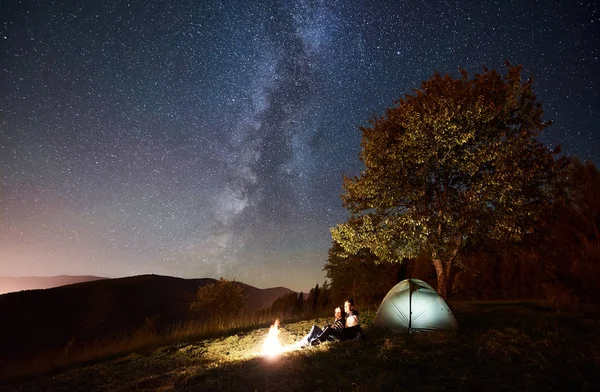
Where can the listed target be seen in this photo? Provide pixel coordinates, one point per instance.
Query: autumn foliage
(456, 161)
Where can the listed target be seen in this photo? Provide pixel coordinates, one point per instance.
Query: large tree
(358, 276)
(456, 160)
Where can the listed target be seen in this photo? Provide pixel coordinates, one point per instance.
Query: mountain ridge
(50, 319)
(11, 284)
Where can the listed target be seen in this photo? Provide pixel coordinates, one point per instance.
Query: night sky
(209, 138)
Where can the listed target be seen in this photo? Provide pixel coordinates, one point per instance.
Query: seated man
(317, 335)
(351, 313)
(352, 328)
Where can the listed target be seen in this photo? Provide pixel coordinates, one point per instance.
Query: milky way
(208, 139)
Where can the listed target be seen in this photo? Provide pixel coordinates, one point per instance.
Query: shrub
(219, 302)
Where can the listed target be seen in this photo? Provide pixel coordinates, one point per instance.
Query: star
(210, 139)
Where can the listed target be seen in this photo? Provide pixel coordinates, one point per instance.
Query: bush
(219, 302)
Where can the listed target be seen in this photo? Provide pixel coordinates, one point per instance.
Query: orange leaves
(455, 158)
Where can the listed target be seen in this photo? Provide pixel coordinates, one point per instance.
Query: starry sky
(209, 138)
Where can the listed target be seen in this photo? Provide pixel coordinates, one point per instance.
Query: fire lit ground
(500, 347)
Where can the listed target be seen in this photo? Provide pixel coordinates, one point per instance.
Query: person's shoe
(304, 343)
(315, 342)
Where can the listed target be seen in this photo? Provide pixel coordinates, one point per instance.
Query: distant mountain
(36, 321)
(10, 284)
(263, 298)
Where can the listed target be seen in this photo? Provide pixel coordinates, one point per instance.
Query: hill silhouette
(10, 284)
(45, 320)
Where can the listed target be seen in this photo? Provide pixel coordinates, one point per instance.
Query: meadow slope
(500, 347)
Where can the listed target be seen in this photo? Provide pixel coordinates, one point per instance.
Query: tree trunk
(354, 292)
(443, 271)
(442, 278)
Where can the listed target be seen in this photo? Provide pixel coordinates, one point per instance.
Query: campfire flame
(272, 347)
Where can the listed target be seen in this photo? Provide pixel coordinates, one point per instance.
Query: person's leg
(354, 332)
(322, 336)
(360, 335)
(350, 333)
(312, 334)
(325, 334)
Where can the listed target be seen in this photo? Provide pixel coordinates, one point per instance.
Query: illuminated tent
(412, 305)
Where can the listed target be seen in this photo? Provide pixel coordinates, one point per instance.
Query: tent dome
(413, 305)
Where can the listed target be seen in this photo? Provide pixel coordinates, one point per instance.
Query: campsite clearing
(504, 346)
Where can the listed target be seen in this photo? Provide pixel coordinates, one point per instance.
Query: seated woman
(317, 335)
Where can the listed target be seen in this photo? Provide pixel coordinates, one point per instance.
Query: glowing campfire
(272, 347)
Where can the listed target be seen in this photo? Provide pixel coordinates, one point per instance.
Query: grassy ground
(500, 347)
